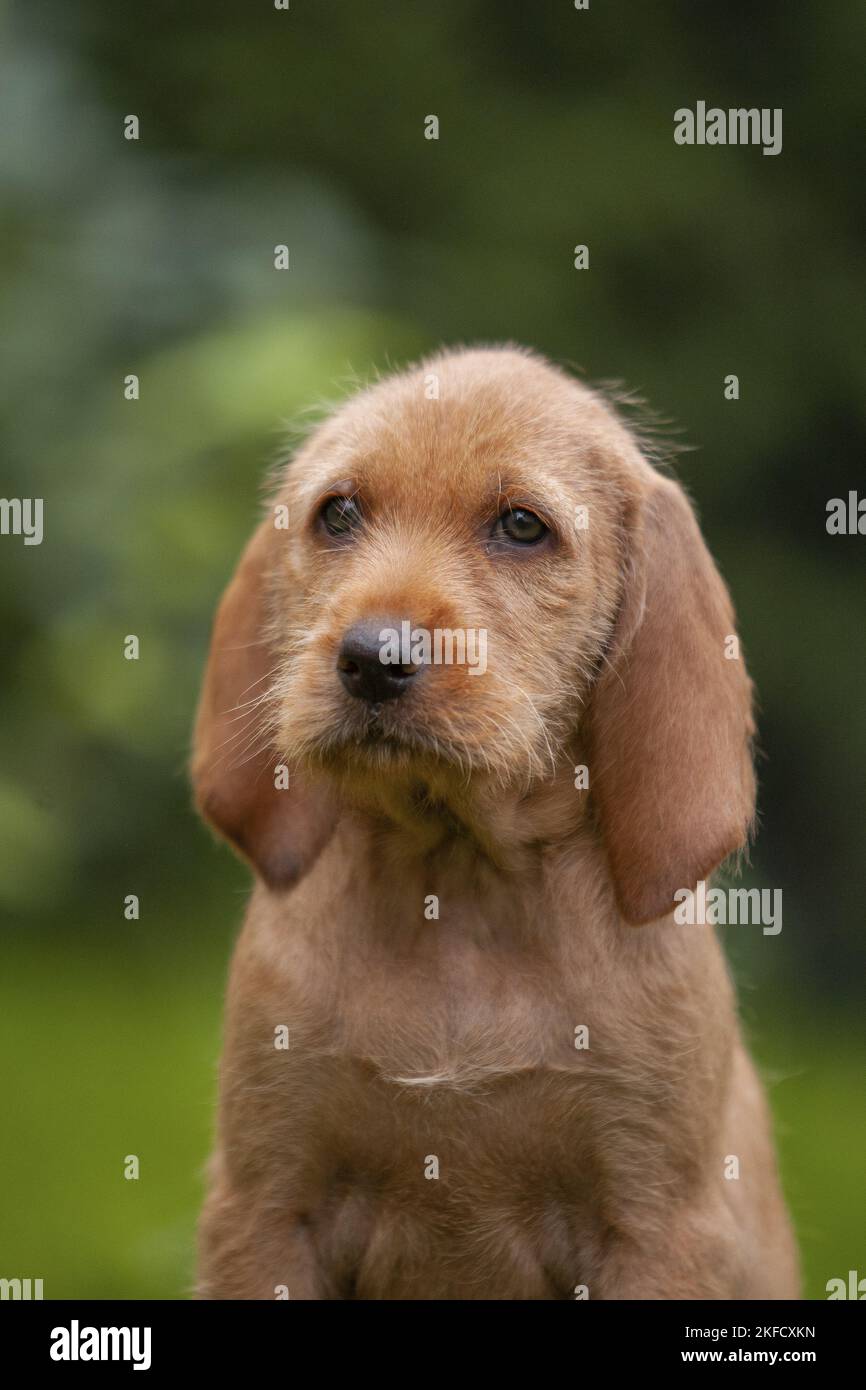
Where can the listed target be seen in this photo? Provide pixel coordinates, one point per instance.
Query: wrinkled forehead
(448, 439)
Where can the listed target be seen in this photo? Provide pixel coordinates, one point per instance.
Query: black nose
(362, 670)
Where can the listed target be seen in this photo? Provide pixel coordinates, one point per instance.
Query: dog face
(489, 499)
(456, 524)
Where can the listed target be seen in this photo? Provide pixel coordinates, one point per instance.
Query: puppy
(469, 1052)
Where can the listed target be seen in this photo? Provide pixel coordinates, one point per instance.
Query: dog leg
(696, 1256)
(247, 1251)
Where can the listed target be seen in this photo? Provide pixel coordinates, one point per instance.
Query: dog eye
(340, 515)
(521, 526)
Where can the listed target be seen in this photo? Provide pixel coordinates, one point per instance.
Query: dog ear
(670, 723)
(279, 831)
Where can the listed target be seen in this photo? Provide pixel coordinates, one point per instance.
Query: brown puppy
(454, 1068)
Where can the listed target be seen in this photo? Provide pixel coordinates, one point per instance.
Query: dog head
(464, 565)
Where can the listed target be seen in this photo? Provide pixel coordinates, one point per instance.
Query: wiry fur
(409, 1038)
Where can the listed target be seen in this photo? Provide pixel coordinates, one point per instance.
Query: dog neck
(443, 816)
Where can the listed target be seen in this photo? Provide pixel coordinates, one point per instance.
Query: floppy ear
(671, 717)
(279, 831)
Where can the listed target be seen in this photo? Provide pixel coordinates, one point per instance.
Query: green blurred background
(260, 127)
